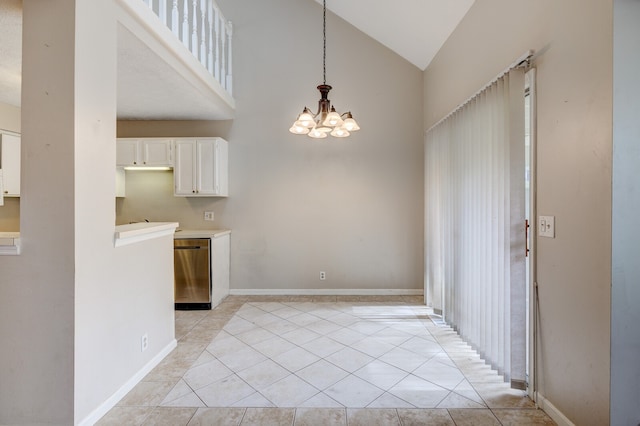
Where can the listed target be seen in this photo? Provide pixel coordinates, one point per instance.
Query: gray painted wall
(625, 293)
(574, 42)
(353, 207)
(37, 295)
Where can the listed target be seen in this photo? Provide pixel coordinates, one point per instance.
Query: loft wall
(353, 207)
(573, 39)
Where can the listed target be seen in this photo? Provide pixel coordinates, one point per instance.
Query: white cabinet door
(10, 163)
(144, 152)
(127, 152)
(200, 168)
(184, 170)
(157, 152)
(207, 172)
(222, 167)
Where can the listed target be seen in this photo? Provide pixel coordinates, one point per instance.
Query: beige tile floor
(330, 360)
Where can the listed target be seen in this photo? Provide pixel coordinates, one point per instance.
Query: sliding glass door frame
(532, 326)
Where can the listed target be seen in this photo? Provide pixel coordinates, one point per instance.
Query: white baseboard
(553, 412)
(326, 292)
(107, 405)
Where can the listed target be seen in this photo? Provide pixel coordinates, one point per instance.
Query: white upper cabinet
(10, 163)
(127, 152)
(184, 171)
(157, 152)
(144, 152)
(201, 167)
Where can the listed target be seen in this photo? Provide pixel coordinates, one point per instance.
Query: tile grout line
(342, 327)
(444, 340)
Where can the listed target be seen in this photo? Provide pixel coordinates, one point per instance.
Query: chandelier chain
(327, 121)
(324, 40)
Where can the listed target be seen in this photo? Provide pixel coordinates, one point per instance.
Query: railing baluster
(194, 28)
(175, 20)
(203, 29)
(223, 62)
(229, 79)
(211, 29)
(162, 12)
(185, 23)
(212, 44)
(216, 69)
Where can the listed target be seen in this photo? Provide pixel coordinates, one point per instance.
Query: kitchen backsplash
(10, 215)
(149, 196)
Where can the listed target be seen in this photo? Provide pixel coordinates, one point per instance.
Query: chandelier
(326, 120)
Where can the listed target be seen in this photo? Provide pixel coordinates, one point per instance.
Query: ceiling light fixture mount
(327, 120)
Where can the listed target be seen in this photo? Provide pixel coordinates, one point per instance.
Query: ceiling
(414, 29)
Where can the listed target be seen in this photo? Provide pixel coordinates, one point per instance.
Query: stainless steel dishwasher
(192, 266)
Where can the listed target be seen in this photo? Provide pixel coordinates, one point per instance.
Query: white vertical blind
(474, 224)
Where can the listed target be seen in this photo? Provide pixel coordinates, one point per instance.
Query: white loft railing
(203, 29)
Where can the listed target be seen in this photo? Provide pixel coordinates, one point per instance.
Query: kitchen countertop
(124, 234)
(200, 233)
(141, 231)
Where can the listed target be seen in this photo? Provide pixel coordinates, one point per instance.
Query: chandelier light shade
(326, 121)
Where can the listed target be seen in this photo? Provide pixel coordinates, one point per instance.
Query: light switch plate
(547, 226)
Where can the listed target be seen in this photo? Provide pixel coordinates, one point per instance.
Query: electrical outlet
(144, 342)
(208, 215)
(323, 275)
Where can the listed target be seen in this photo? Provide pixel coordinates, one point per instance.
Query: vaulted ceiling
(414, 29)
